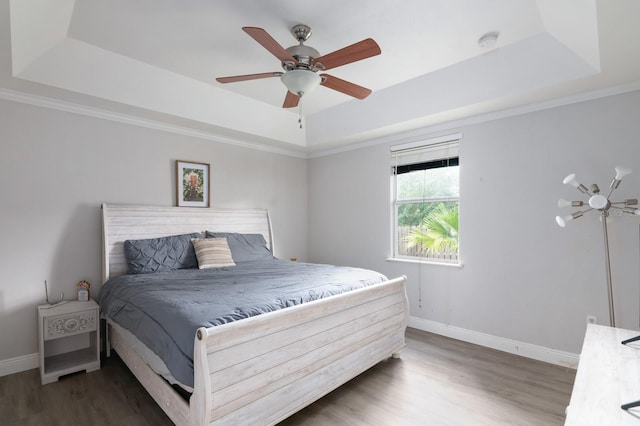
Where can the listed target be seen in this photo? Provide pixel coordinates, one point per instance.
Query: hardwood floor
(441, 381)
(437, 381)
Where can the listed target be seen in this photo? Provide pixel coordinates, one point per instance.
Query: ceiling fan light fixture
(301, 82)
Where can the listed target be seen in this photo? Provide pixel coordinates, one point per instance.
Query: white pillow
(212, 252)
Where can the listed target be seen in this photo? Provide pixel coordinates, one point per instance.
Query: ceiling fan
(302, 64)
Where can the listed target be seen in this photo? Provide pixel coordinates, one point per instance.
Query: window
(426, 194)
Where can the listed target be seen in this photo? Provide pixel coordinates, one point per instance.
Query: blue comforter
(165, 309)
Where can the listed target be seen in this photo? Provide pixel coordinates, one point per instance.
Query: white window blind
(425, 151)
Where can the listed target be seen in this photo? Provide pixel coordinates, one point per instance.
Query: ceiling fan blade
(344, 86)
(246, 77)
(263, 37)
(362, 50)
(291, 100)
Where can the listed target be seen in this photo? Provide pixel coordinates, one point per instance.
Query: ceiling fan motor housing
(303, 54)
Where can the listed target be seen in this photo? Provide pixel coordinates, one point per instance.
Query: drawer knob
(71, 324)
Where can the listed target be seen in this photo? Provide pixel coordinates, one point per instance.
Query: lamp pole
(607, 261)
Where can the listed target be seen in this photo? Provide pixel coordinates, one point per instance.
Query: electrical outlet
(591, 319)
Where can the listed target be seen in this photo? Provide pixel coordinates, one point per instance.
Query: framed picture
(192, 184)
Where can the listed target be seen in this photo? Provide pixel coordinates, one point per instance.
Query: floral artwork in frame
(192, 183)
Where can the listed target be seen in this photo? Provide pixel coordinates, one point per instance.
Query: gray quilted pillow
(161, 254)
(244, 247)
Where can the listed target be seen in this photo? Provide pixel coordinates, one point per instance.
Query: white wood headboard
(131, 222)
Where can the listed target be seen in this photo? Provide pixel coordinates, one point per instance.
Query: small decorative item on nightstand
(83, 291)
(69, 339)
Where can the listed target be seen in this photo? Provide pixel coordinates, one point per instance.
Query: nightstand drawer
(70, 324)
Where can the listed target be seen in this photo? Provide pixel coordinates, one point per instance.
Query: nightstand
(69, 339)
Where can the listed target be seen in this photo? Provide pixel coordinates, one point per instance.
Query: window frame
(435, 149)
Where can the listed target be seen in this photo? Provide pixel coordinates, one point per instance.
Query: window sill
(424, 262)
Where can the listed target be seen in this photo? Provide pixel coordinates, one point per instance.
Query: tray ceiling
(158, 59)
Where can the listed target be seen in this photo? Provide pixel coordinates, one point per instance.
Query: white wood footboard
(263, 369)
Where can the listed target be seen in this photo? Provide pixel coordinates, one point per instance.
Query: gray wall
(524, 278)
(56, 169)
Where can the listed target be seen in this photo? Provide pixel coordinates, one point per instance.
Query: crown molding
(401, 137)
(50, 103)
(426, 132)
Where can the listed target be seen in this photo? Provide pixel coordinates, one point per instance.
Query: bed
(263, 368)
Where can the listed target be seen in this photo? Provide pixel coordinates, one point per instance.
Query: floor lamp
(599, 202)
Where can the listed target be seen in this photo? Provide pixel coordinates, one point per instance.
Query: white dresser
(608, 376)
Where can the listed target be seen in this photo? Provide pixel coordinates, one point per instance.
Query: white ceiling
(158, 59)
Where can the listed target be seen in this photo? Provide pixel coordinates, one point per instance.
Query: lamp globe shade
(563, 203)
(622, 172)
(571, 180)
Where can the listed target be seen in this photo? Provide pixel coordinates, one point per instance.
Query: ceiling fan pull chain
(300, 113)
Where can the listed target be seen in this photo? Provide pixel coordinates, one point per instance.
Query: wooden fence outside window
(404, 232)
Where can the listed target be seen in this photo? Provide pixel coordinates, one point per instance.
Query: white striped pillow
(212, 252)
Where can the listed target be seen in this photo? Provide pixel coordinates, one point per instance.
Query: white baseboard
(540, 353)
(18, 364)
